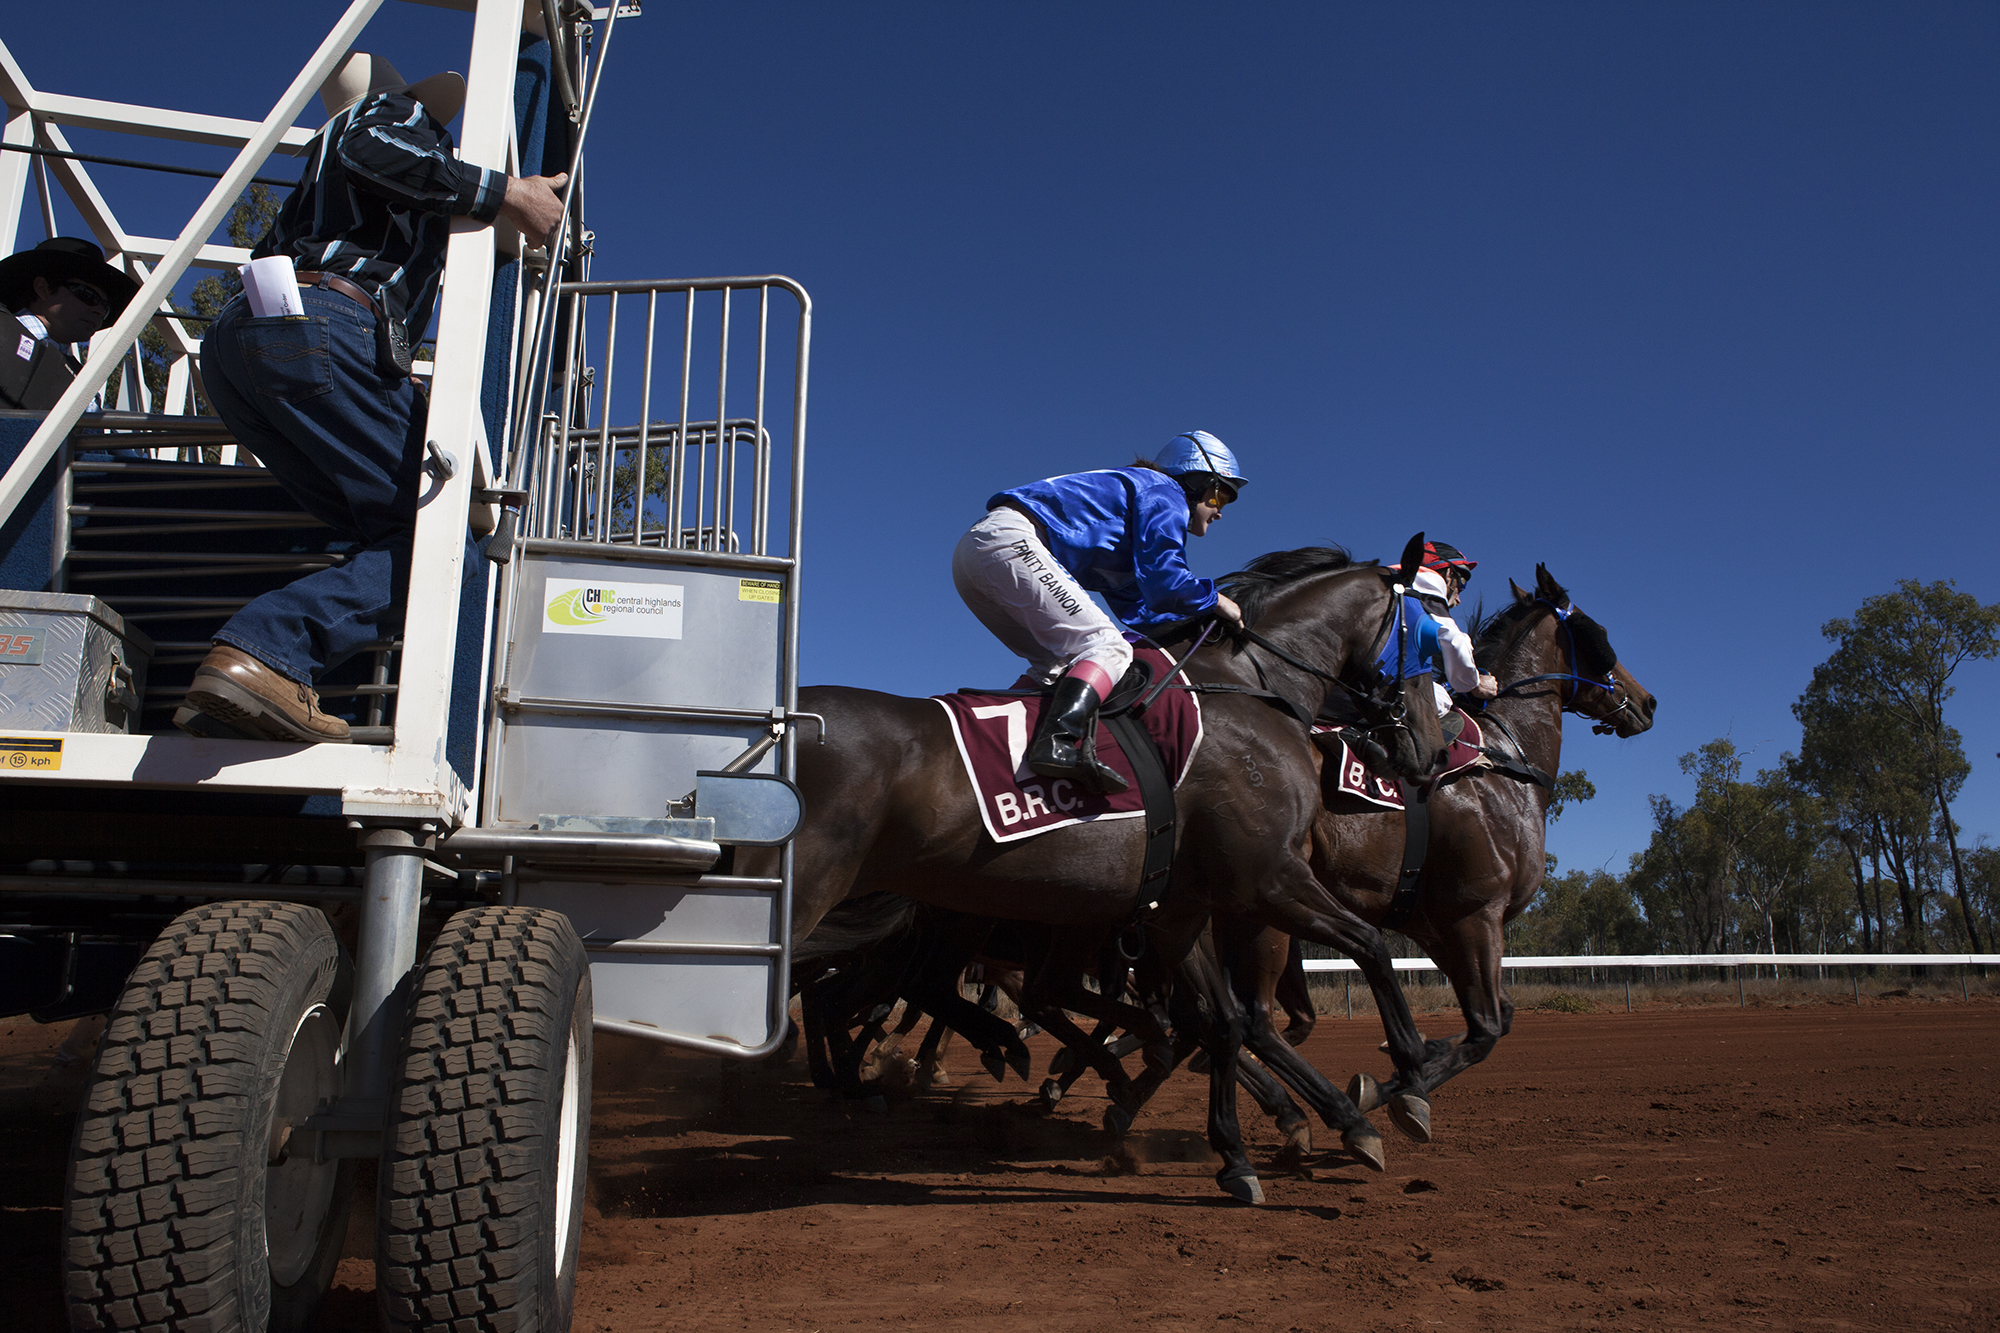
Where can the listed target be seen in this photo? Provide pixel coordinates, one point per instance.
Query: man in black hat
(325, 399)
(59, 293)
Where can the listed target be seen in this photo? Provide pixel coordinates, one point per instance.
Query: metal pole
(1628, 990)
(1740, 1004)
(390, 902)
(1854, 975)
(1347, 984)
(1964, 993)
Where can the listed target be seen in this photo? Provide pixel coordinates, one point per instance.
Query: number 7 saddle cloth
(992, 729)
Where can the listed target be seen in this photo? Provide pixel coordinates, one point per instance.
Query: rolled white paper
(272, 286)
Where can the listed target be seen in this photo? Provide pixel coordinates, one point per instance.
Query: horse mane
(1494, 635)
(1254, 585)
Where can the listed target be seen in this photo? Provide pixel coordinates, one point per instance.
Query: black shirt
(375, 204)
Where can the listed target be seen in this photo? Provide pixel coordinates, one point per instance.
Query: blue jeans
(346, 442)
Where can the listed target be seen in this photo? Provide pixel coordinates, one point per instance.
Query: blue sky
(1696, 303)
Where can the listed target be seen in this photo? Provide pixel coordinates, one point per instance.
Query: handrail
(124, 331)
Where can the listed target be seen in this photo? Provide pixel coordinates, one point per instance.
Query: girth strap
(1416, 844)
(1158, 792)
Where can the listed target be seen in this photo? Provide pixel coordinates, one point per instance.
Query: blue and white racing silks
(1415, 640)
(1121, 532)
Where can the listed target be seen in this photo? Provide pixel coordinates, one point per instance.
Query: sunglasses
(1218, 497)
(89, 295)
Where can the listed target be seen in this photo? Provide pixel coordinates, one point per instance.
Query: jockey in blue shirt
(1027, 569)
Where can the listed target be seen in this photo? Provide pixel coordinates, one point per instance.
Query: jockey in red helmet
(1438, 584)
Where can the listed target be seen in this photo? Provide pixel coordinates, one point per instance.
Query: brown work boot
(234, 694)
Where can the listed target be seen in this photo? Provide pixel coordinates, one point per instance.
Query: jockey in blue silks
(1438, 585)
(1027, 569)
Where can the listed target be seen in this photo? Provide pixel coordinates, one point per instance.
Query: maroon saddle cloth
(992, 731)
(1351, 777)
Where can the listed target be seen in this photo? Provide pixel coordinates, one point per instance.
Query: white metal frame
(410, 779)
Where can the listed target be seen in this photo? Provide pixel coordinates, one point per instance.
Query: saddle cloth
(993, 729)
(1352, 777)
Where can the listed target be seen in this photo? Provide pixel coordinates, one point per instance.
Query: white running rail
(1697, 960)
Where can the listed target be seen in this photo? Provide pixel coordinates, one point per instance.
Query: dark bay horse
(889, 809)
(1486, 857)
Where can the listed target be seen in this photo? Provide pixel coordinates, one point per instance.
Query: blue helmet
(1199, 451)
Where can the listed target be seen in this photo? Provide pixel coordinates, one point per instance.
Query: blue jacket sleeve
(1159, 555)
(396, 151)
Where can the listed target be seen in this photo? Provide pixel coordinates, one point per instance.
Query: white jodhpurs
(1031, 603)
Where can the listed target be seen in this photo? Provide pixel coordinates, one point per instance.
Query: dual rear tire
(193, 1200)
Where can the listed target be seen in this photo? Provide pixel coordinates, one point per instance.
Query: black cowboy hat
(61, 259)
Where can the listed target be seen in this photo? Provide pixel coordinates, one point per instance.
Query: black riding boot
(1066, 745)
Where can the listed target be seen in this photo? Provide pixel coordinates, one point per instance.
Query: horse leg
(1270, 1094)
(1290, 991)
(1299, 905)
(1222, 1039)
(1469, 953)
(1261, 956)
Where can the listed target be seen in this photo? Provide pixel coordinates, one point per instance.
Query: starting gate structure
(567, 804)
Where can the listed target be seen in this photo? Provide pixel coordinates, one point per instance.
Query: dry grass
(1578, 993)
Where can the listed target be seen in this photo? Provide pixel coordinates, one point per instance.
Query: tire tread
(462, 1159)
(159, 1143)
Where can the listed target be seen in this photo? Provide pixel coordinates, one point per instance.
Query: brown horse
(889, 809)
(1486, 857)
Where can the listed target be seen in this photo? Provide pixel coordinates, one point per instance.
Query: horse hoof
(1198, 1063)
(1021, 1064)
(1160, 1057)
(1052, 1093)
(1063, 1061)
(1364, 1092)
(1411, 1114)
(1299, 1140)
(1117, 1120)
(1366, 1145)
(1247, 1188)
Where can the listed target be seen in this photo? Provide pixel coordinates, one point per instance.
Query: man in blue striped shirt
(326, 401)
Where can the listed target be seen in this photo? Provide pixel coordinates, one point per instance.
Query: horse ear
(1413, 560)
(1520, 594)
(1547, 586)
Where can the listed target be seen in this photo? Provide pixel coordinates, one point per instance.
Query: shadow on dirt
(674, 1136)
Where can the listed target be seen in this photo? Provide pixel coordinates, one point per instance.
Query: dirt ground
(1826, 1166)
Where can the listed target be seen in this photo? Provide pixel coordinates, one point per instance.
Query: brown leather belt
(333, 282)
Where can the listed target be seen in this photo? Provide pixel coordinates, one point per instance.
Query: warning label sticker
(619, 610)
(30, 754)
(759, 590)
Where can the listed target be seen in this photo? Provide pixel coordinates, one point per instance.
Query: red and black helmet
(1444, 557)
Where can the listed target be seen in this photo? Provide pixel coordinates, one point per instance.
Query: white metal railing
(1696, 960)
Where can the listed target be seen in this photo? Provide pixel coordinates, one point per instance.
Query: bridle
(1576, 682)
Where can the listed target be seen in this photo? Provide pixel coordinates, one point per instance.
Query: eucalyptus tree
(1886, 684)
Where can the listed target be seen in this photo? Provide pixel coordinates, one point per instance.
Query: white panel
(723, 999)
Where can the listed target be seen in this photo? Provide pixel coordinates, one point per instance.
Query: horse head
(1316, 618)
(1575, 650)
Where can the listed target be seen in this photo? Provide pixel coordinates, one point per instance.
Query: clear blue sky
(1694, 302)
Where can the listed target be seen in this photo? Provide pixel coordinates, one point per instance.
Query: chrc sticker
(617, 610)
(759, 590)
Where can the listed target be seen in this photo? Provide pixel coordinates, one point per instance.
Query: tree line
(1847, 846)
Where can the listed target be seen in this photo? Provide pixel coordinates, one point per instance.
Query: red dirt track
(1818, 1167)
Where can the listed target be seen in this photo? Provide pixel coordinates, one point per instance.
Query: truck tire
(480, 1210)
(189, 1205)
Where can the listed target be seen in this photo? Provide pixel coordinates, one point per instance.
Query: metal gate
(646, 672)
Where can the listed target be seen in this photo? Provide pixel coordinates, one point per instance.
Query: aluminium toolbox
(68, 662)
